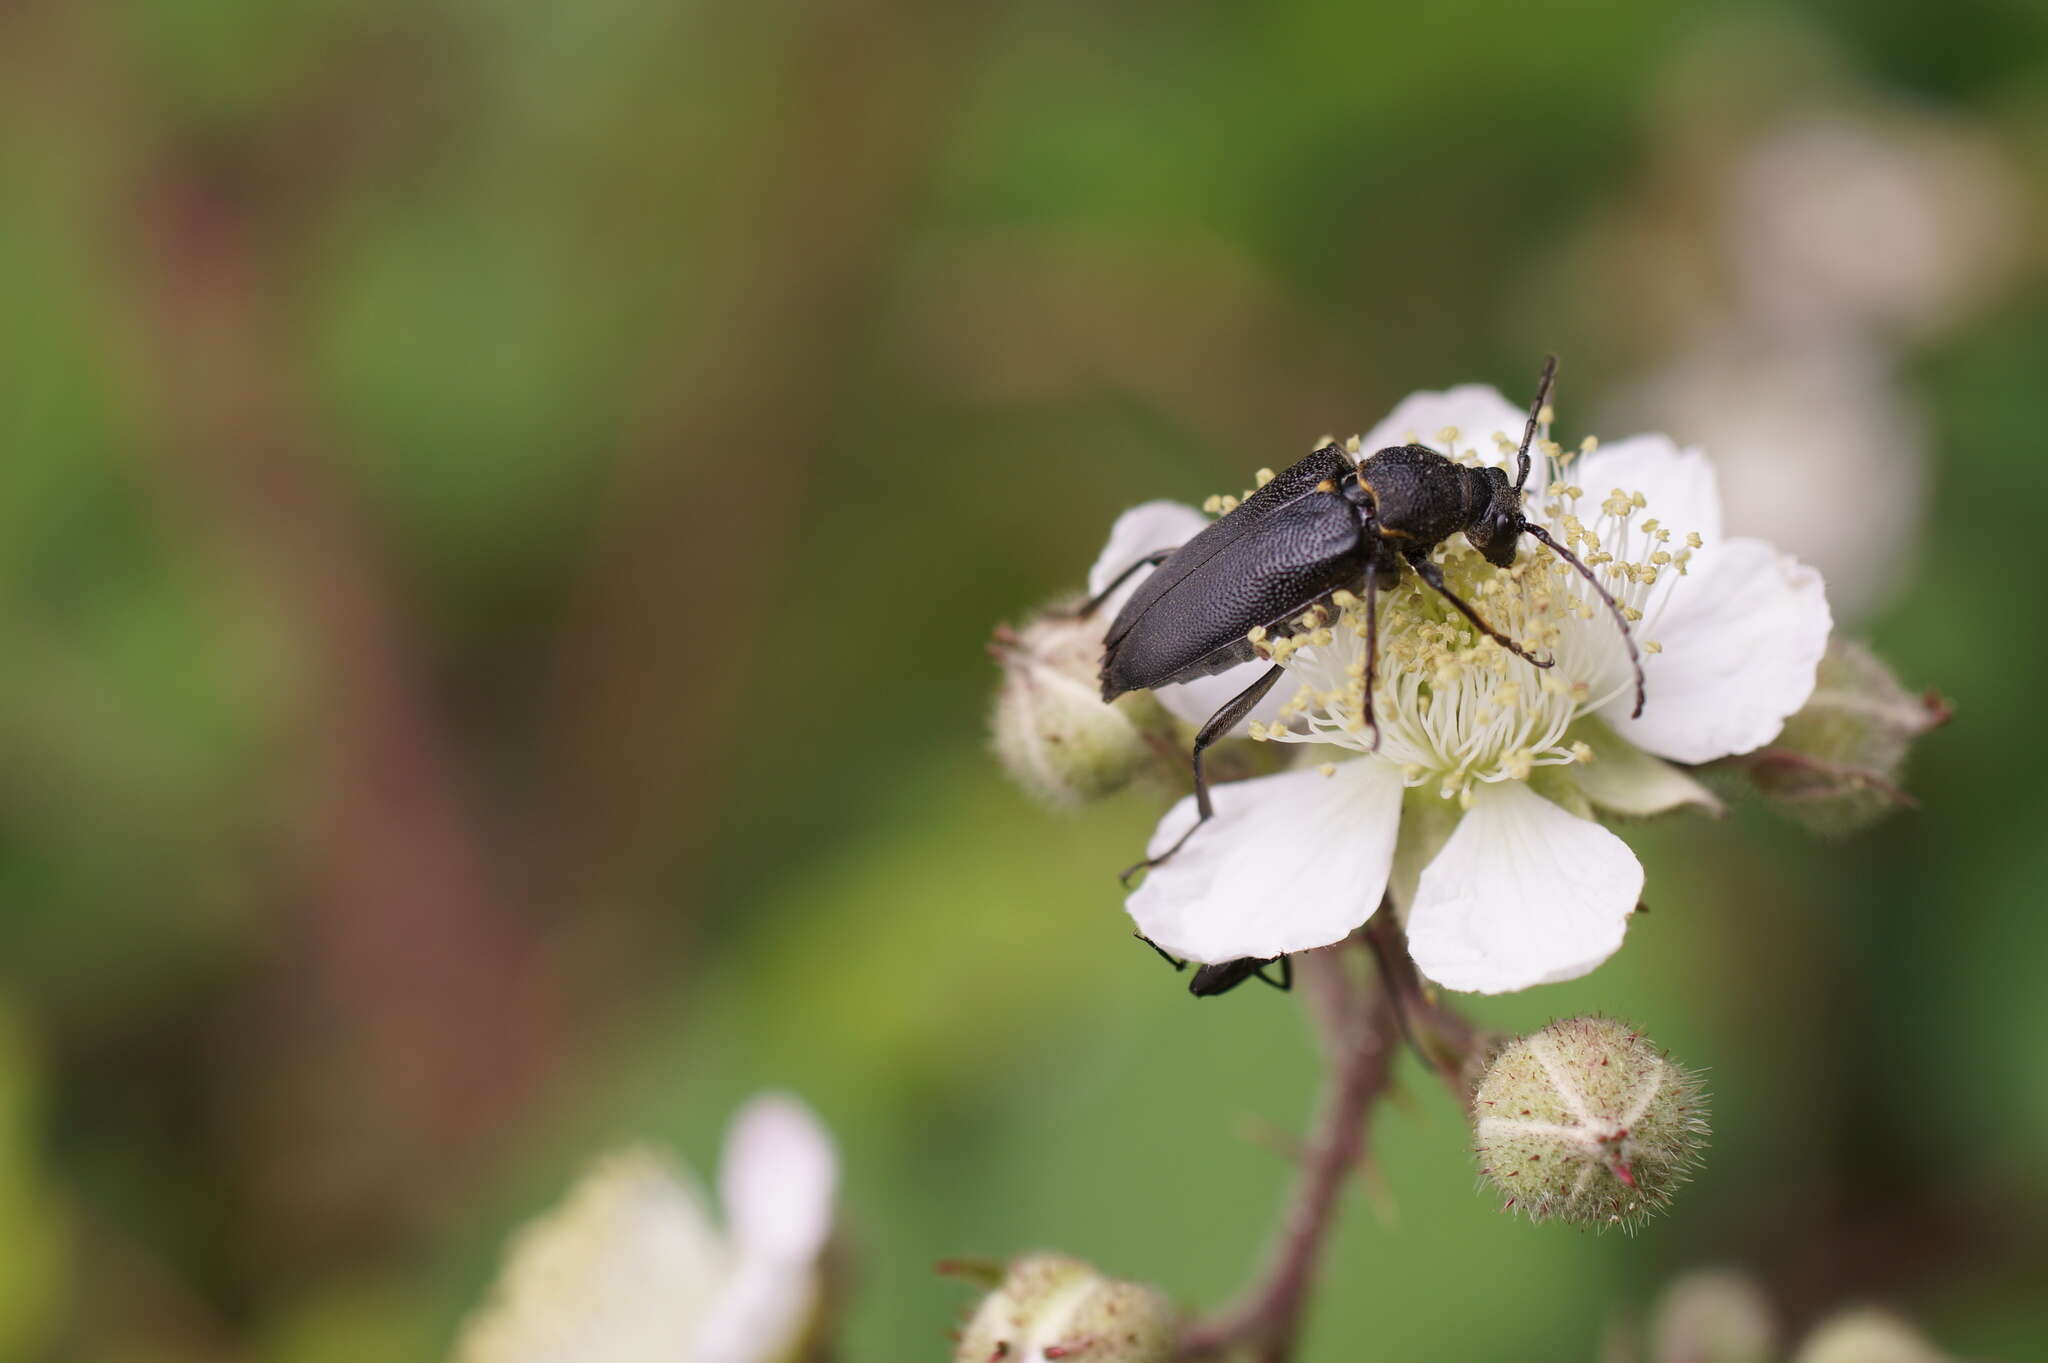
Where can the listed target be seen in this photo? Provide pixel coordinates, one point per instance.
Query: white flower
(631, 1269)
(1477, 802)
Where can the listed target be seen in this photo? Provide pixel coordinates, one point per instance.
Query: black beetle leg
(1434, 576)
(1372, 654)
(1286, 980)
(1094, 603)
(1176, 962)
(1220, 723)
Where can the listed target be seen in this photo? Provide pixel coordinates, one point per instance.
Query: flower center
(1453, 707)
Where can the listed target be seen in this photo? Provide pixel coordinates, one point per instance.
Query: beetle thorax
(1422, 497)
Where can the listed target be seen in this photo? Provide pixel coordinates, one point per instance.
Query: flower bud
(1836, 765)
(1052, 730)
(1867, 1336)
(1587, 1121)
(1714, 1316)
(1051, 1307)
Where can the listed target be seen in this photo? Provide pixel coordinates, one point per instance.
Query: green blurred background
(500, 508)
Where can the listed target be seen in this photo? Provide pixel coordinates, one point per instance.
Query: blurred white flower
(631, 1269)
(1818, 450)
(1483, 750)
(1899, 221)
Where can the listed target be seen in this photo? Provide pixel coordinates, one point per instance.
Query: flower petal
(1678, 485)
(1167, 525)
(1623, 779)
(777, 1179)
(1523, 894)
(623, 1269)
(758, 1316)
(1290, 862)
(1739, 648)
(1476, 410)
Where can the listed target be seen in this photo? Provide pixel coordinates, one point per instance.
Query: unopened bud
(1588, 1122)
(1714, 1316)
(1867, 1336)
(1837, 764)
(1052, 1307)
(1052, 730)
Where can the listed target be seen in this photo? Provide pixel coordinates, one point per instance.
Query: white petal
(1477, 411)
(1740, 644)
(1167, 525)
(621, 1272)
(1289, 862)
(758, 1316)
(1677, 484)
(1523, 894)
(777, 1179)
(1623, 779)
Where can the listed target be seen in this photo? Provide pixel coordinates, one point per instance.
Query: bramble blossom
(1478, 804)
(631, 1268)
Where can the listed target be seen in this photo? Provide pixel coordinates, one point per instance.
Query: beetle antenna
(1535, 411)
(1627, 635)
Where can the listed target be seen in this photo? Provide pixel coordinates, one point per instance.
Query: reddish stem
(1358, 1029)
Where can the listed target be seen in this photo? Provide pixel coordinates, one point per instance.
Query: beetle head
(1497, 529)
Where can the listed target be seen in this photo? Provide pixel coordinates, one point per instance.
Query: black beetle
(1325, 524)
(1224, 976)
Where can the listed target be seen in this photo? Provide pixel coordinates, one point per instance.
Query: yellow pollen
(1652, 646)
(1328, 769)
(1263, 477)
(1582, 752)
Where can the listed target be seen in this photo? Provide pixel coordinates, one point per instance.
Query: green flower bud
(1052, 730)
(1837, 763)
(1867, 1336)
(1587, 1121)
(1052, 1307)
(1714, 1316)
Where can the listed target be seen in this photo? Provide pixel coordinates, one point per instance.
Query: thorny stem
(1360, 1037)
(1444, 1040)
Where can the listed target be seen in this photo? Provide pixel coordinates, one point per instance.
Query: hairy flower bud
(1589, 1122)
(1052, 730)
(1713, 1316)
(1052, 1307)
(1867, 1336)
(1836, 765)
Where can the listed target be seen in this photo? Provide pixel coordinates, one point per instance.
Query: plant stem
(1359, 1033)
(1444, 1040)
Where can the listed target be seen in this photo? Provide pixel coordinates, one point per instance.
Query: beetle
(1224, 976)
(1323, 525)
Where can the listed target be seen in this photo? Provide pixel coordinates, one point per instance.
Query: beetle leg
(1094, 603)
(1372, 652)
(1220, 723)
(1434, 576)
(1176, 962)
(1286, 980)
